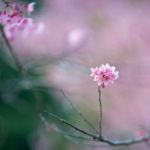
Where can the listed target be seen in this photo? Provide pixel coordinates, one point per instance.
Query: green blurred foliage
(23, 96)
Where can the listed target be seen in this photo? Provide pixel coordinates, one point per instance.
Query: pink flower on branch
(14, 18)
(104, 75)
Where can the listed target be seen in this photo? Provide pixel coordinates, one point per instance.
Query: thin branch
(15, 57)
(101, 112)
(43, 119)
(78, 111)
(126, 142)
(61, 131)
(71, 125)
(102, 138)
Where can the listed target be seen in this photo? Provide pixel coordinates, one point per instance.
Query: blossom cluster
(15, 17)
(104, 75)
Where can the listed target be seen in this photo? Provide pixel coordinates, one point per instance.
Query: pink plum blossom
(14, 19)
(104, 75)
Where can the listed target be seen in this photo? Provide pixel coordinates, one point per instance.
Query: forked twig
(79, 112)
(102, 138)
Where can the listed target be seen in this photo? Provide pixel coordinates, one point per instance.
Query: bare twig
(127, 142)
(70, 125)
(66, 134)
(102, 138)
(12, 52)
(78, 111)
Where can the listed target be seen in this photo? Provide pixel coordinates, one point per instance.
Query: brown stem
(101, 112)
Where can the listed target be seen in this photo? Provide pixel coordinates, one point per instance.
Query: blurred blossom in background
(77, 38)
(80, 34)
